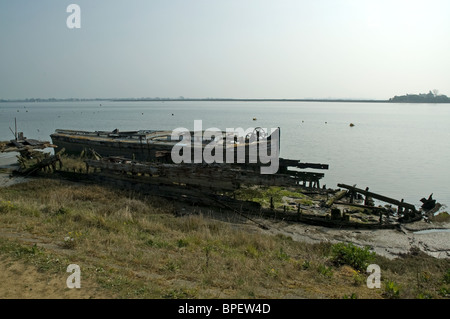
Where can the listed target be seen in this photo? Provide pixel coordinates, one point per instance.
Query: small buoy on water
(351, 124)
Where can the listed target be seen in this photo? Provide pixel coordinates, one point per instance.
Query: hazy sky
(225, 48)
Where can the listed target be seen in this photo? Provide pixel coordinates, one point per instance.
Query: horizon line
(156, 99)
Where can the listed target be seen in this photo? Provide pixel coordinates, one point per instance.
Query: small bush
(349, 254)
(358, 278)
(391, 290)
(325, 271)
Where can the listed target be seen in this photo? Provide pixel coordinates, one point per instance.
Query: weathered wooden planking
(219, 176)
(298, 164)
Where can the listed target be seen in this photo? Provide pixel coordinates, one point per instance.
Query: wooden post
(366, 197)
(400, 208)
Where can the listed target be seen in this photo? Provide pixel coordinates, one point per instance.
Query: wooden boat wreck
(141, 160)
(31, 159)
(214, 186)
(24, 145)
(156, 145)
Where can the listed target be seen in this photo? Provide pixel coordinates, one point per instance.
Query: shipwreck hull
(150, 146)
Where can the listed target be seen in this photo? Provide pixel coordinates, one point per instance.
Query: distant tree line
(430, 97)
(51, 100)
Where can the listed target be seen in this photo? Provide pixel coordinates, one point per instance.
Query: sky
(357, 49)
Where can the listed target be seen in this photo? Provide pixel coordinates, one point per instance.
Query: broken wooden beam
(42, 164)
(400, 204)
(298, 164)
(335, 198)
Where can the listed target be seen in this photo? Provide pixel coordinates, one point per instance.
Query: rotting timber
(23, 145)
(156, 145)
(222, 177)
(31, 159)
(214, 185)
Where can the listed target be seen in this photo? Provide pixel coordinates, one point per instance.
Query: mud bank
(389, 243)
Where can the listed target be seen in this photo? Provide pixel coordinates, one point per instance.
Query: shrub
(349, 254)
(325, 271)
(391, 290)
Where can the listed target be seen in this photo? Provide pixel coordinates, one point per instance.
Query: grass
(133, 246)
(441, 217)
(279, 196)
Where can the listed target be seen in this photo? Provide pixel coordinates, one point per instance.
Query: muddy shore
(386, 242)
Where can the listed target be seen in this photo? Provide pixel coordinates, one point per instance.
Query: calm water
(399, 150)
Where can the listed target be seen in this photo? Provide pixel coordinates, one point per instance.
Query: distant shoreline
(33, 100)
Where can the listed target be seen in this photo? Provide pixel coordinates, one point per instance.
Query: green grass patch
(280, 196)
